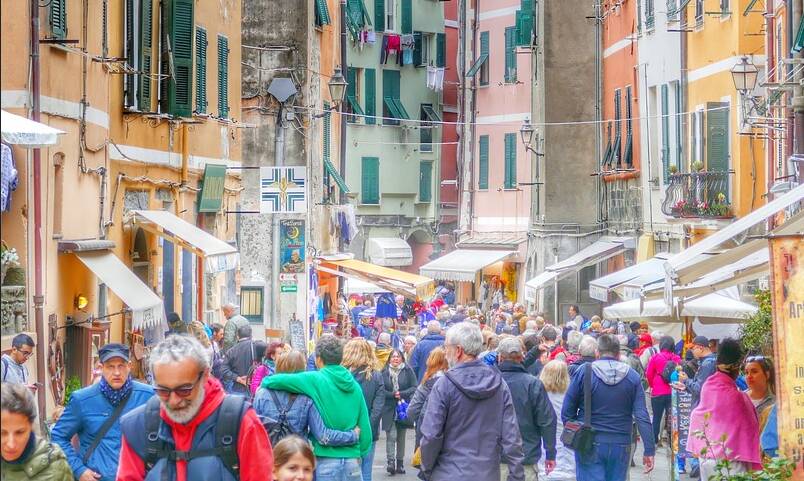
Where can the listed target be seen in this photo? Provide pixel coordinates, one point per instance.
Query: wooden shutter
(370, 89)
(58, 18)
(131, 79)
(441, 50)
(510, 161)
(483, 164)
(510, 54)
(321, 13)
(484, 50)
(200, 70)
(425, 181)
(146, 42)
(417, 49)
(327, 132)
(223, 76)
(679, 142)
(407, 16)
(379, 15)
(665, 133)
(390, 90)
(177, 55)
(616, 157)
(717, 136)
(370, 182)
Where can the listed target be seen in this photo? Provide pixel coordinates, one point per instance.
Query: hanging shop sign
(787, 295)
(291, 254)
(283, 190)
(210, 198)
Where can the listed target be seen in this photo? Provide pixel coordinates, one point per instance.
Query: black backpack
(669, 369)
(279, 429)
(227, 429)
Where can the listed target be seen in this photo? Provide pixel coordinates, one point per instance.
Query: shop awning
(356, 286)
(146, 307)
(18, 130)
(399, 282)
(219, 255)
(718, 307)
(461, 265)
(537, 283)
(747, 269)
(389, 251)
(601, 287)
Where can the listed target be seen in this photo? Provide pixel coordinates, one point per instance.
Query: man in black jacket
(239, 360)
(535, 415)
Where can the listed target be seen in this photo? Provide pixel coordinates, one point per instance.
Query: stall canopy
(219, 255)
(409, 285)
(389, 251)
(356, 286)
(18, 130)
(599, 251)
(601, 287)
(709, 309)
(146, 307)
(461, 265)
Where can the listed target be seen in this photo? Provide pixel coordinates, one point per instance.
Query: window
(58, 18)
(441, 50)
(177, 57)
(392, 105)
(407, 16)
(353, 94)
(616, 159)
(524, 24)
(483, 164)
(370, 180)
(251, 303)
(484, 54)
(223, 77)
(510, 55)
(510, 161)
(321, 13)
(673, 11)
(426, 129)
(724, 8)
(650, 15)
(138, 48)
(370, 83)
(390, 15)
(665, 133)
(422, 51)
(200, 70)
(425, 181)
(699, 13)
(628, 155)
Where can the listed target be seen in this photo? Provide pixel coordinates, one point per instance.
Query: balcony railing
(698, 195)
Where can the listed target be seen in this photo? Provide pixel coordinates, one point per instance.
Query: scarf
(27, 452)
(115, 396)
(394, 372)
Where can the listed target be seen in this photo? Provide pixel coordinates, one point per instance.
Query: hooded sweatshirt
(338, 398)
(469, 427)
(617, 401)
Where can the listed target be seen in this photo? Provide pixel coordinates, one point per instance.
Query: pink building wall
(449, 150)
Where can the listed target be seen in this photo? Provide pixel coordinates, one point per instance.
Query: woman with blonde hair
(555, 378)
(437, 365)
(359, 359)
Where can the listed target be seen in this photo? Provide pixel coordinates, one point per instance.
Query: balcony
(702, 195)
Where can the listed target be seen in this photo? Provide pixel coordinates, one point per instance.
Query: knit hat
(729, 352)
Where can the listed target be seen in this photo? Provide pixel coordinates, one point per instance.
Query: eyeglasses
(181, 391)
(25, 353)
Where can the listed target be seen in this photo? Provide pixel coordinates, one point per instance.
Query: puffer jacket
(374, 394)
(47, 463)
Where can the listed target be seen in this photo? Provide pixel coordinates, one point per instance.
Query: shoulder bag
(580, 436)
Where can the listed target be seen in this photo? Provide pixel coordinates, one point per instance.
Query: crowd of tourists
(497, 396)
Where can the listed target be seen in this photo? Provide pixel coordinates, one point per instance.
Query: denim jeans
(661, 405)
(338, 469)
(606, 462)
(367, 463)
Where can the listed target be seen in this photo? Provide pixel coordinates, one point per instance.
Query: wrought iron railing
(698, 194)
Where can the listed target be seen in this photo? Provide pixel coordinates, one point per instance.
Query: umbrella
(710, 309)
(19, 130)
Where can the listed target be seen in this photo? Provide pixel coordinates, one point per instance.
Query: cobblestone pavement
(660, 473)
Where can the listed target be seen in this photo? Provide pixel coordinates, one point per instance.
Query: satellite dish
(282, 88)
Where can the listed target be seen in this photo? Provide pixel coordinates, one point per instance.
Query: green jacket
(47, 463)
(338, 398)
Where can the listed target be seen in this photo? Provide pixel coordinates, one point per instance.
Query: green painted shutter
(717, 136)
(146, 42)
(223, 76)
(407, 16)
(351, 92)
(616, 158)
(200, 70)
(370, 181)
(370, 89)
(425, 181)
(327, 132)
(665, 133)
(510, 55)
(510, 161)
(321, 13)
(484, 50)
(128, 97)
(390, 91)
(679, 144)
(483, 164)
(58, 18)
(379, 15)
(178, 36)
(441, 50)
(417, 49)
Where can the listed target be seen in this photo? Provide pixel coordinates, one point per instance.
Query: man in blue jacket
(433, 339)
(617, 401)
(94, 413)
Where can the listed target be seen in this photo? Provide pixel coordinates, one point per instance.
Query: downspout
(279, 160)
(798, 95)
(770, 45)
(598, 112)
(788, 48)
(38, 297)
(342, 108)
(471, 156)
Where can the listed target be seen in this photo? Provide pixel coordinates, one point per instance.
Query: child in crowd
(293, 460)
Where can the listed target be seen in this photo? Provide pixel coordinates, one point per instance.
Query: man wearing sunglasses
(192, 430)
(13, 364)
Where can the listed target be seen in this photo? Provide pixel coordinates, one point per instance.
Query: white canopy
(539, 282)
(146, 307)
(709, 309)
(19, 130)
(462, 264)
(389, 252)
(219, 255)
(357, 286)
(601, 287)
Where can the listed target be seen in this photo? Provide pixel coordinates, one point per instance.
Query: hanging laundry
(371, 37)
(407, 57)
(9, 177)
(439, 79)
(391, 44)
(431, 77)
(386, 306)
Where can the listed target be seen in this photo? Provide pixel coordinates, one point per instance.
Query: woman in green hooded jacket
(24, 455)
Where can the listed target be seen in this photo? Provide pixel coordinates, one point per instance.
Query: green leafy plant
(697, 166)
(72, 384)
(757, 331)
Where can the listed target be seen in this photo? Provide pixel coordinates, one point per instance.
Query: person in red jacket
(192, 409)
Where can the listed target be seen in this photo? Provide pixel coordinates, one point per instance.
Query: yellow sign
(787, 281)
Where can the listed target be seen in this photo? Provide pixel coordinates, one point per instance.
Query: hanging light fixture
(744, 74)
(526, 132)
(337, 87)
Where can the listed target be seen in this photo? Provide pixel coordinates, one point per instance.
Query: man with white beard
(191, 430)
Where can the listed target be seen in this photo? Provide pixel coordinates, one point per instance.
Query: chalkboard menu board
(682, 407)
(297, 335)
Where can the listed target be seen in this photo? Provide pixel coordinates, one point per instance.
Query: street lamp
(526, 132)
(744, 75)
(337, 87)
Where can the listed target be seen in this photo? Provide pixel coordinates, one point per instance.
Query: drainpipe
(789, 111)
(279, 153)
(598, 113)
(185, 155)
(38, 297)
(798, 95)
(342, 108)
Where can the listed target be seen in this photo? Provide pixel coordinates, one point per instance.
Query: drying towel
(394, 43)
(9, 180)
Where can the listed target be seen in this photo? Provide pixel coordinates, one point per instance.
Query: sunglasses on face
(181, 391)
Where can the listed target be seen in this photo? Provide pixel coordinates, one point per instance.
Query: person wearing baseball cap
(708, 365)
(93, 413)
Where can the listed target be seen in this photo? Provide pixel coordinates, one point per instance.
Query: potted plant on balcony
(697, 166)
(682, 208)
(720, 208)
(673, 169)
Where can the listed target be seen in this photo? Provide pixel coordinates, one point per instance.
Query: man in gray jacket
(469, 426)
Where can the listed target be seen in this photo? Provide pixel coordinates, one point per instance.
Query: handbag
(580, 436)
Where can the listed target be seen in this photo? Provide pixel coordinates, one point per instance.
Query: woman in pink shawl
(724, 410)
